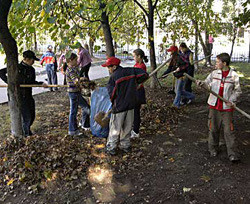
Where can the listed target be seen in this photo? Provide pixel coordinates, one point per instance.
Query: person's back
(123, 94)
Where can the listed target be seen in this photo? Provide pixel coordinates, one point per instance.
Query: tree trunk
(233, 41)
(107, 35)
(91, 47)
(151, 41)
(10, 48)
(35, 41)
(196, 44)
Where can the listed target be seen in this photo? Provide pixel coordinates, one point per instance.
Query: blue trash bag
(100, 101)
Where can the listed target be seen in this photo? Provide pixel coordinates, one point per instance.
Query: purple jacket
(84, 58)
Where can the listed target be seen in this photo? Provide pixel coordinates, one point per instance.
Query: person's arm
(42, 59)
(3, 75)
(141, 75)
(111, 89)
(237, 90)
(191, 58)
(80, 58)
(72, 74)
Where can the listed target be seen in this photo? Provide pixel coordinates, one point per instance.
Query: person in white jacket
(225, 82)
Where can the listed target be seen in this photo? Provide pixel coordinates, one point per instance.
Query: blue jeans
(75, 100)
(52, 76)
(180, 92)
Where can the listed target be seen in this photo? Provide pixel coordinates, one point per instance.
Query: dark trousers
(188, 82)
(28, 114)
(84, 72)
(137, 119)
(52, 76)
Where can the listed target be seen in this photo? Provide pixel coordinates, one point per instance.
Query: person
(84, 60)
(75, 96)
(26, 75)
(187, 55)
(63, 65)
(225, 82)
(210, 42)
(49, 58)
(122, 87)
(140, 58)
(179, 66)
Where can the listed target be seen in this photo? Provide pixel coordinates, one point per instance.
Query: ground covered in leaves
(169, 163)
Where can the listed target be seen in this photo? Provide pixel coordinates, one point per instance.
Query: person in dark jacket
(122, 88)
(179, 66)
(26, 75)
(187, 55)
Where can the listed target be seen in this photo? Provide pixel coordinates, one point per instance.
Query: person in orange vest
(49, 58)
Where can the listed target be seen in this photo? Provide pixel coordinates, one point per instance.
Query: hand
(199, 83)
(230, 104)
(45, 85)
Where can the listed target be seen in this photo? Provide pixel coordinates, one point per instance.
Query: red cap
(112, 61)
(173, 48)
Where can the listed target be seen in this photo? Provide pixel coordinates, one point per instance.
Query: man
(49, 58)
(26, 75)
(122, 88)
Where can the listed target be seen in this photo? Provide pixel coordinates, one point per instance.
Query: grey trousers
(216, 121)
(120, 130)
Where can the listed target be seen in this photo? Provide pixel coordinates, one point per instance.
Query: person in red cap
(122, 88)
(179, 65)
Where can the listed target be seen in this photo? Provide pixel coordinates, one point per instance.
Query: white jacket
(231, 90)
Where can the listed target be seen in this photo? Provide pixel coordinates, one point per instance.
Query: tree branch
(155, 4)
(142, 8)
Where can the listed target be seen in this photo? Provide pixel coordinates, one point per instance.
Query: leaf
(171, 159)
(42, 13)
(51, 20)
(10, 182)
(205, 178)
(27, 165)
(185, 190)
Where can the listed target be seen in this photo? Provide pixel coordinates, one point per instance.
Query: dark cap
(112, 61)
(30, 55)
(172, 48)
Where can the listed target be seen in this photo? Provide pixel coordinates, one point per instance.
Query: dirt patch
(169, 162)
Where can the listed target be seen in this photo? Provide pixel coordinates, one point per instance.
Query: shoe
(134, 135)
(75, 133)
(111, 152)
(171, 92)
(189, 101)
(233, 159)
(182, 103)
(213, 154)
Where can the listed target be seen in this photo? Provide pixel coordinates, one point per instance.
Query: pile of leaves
(32, 162)
(37, 159)
(158, 115)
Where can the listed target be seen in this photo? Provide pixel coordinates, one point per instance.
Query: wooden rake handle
(221, 98)
(35, 85)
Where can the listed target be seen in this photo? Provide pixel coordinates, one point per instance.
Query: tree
(10, 48)
(192, 17)
(148, 14)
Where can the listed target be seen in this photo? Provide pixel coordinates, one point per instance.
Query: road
(96, 71)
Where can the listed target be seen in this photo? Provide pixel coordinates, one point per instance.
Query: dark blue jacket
(122, 88)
